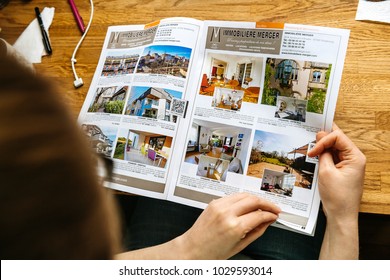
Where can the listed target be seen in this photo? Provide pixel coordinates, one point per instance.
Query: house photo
(302, 80)
(120, 63)
(223, 146)
(234, 72)
(151, 102)
(101, 138)
(143, 147)
(109, 100)
(165, 60)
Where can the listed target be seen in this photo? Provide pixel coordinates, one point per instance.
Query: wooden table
(363, 108)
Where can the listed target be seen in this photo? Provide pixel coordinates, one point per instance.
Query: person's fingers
(256, 233)
(252, 220)
(230, 199)
(336, 140)
(335, 127)
(320, 135)
(316, 150)
(326, 162)
(253, 203)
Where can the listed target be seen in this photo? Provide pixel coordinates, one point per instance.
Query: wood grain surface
(363, 107)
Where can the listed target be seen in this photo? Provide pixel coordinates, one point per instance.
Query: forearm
(341, 241)
(172, 250)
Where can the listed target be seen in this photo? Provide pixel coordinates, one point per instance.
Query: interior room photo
(291, 108)
(227, 98)
(240, 73)
(143, 147)
(278, 182)
(213, 168)
(209, 140)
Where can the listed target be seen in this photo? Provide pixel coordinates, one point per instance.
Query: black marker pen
(46, 41)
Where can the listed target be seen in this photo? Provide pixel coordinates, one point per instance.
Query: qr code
(311, 159)
(179, 107)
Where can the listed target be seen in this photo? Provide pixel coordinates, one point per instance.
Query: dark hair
(51, 204)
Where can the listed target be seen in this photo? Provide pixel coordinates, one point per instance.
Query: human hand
(227, 226)
(341, 175)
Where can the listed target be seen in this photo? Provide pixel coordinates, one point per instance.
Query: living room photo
(217, 149)
(235, 73)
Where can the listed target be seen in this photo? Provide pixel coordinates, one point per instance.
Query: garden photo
(281, 153)
(303, 80)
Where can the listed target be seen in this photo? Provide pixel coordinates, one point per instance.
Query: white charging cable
(78, 82)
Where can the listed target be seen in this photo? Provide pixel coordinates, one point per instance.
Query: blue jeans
(148, 222)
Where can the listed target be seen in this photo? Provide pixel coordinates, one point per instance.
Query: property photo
(217, 144)
(120, 63)
(143, 147)
(291, 108)
(283, 154)
(101, 138)
(212, 168)
(240, 73)
(166, 60)
(278, 182)
(303, 80)
(109, 100)
(150, 102)
(227, 98)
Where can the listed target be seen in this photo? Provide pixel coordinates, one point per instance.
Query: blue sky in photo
(278, 142)
(110, 132)
(172, 50)
(137, 91)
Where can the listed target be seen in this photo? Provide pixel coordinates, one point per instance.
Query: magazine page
(264, 92)
(138, 98)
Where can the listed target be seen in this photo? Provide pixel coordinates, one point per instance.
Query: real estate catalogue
(191, 110)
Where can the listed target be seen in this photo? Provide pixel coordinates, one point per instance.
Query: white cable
(78, 82)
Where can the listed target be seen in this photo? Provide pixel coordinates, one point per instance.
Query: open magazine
(192, 110)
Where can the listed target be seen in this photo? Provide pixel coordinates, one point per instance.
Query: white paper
(30, 43)
(374, 11)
